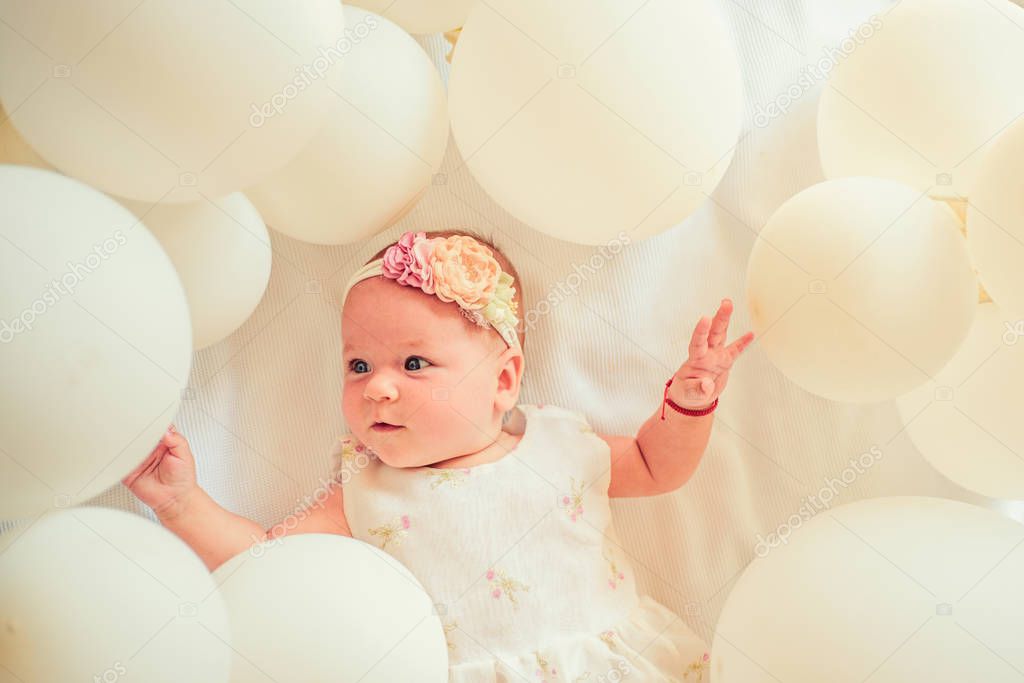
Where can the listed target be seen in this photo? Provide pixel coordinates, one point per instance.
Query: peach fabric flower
(465, 272)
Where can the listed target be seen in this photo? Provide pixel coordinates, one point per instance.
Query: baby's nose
(381, 388)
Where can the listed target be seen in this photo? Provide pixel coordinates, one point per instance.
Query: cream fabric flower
(502, 308)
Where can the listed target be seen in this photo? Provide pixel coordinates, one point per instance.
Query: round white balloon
(323, 607)
(222, 253)
(416, 16)
(967, 420)
(587, 121)
(382, 144)
(137, 99)
(98, 594)
(886, 590)
(861, 288)
(923, 95)
(95, 341)
(995, 221)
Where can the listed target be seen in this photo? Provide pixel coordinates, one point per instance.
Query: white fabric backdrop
(263, 406)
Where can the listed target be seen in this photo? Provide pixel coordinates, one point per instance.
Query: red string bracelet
(685, 411)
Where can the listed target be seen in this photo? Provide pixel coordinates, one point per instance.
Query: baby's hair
(499, 256)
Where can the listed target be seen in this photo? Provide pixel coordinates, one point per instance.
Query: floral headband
(456, 268)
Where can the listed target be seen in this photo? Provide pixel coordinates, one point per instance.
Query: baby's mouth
(385, 427)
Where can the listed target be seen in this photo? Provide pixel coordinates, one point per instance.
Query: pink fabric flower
(408, 261)
(490, 574)
(465, 271)
(405, 521)
(496, 592)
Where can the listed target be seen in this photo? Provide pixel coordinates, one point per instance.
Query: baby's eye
(415, 358)
(417, 364)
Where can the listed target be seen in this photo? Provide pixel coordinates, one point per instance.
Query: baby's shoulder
(550, 410)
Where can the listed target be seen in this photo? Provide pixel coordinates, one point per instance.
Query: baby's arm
(215, 534)
(666, 451)
(166, 481)
(673, 451)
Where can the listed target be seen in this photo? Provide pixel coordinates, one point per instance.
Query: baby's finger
(699, 339)
(154, 457)
(177, 445)
(720, 325)
(697, 388)
(737, 347)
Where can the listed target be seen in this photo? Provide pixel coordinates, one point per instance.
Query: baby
(501, 510)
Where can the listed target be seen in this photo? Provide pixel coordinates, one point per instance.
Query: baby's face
(412, 360)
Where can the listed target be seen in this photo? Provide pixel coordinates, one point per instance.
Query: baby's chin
(394, 454)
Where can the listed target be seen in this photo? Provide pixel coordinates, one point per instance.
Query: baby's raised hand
(167, 477)
(701, 379)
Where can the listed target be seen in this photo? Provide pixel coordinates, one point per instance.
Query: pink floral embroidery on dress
(697, 667)
(503, 585)
(351, 449)
(544, 669)
(573, 504)
(393, 532)
(448, 476)
(615, 575)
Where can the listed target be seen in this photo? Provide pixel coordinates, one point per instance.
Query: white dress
(521, 559)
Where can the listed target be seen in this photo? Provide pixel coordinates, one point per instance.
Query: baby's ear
(511, 365)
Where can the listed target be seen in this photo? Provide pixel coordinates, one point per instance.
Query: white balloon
(95, 341)
(589, 120)
(222, 253)
(861, 288)
(416, 16)
(887, 590)
(383, 142)
(922, 96)
(137, 99)
(323, 607)
(967, 420)
(98, 594)
(995, 221)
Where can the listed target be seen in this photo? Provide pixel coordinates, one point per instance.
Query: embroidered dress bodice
(521, 558)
